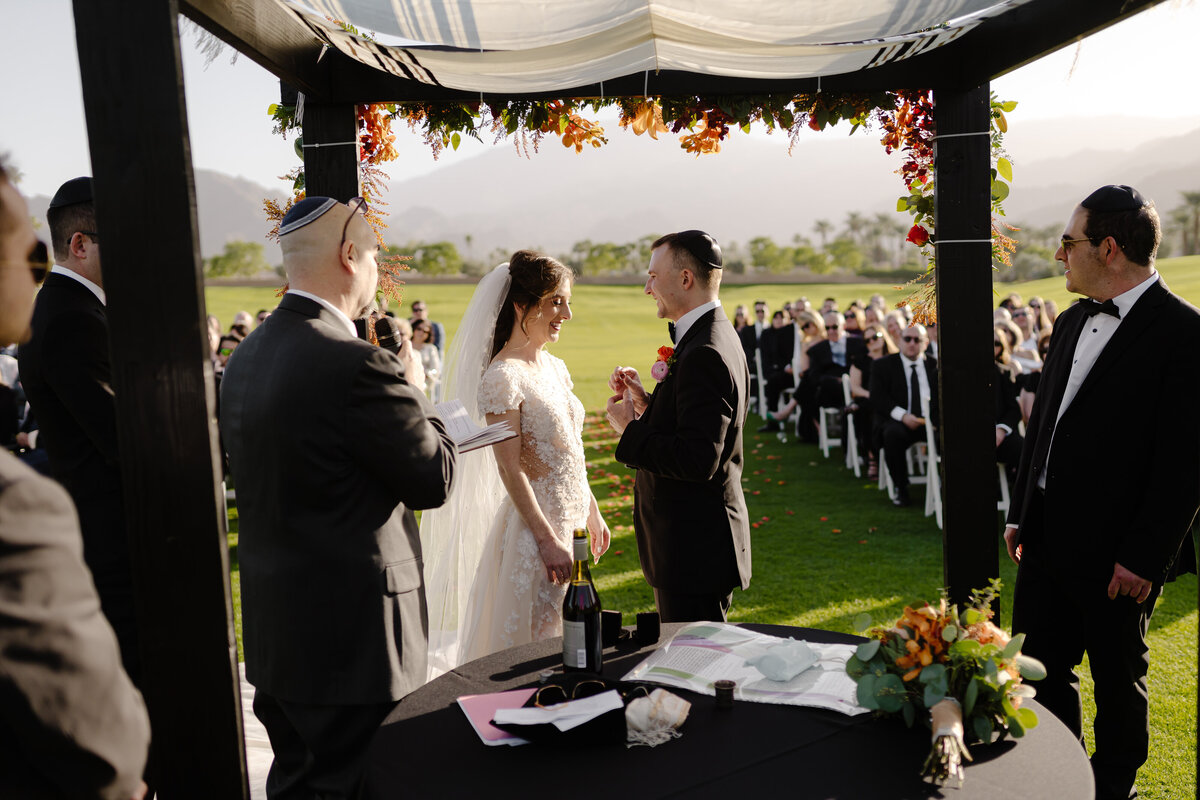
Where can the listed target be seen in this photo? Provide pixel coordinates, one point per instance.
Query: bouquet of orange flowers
(957, 672)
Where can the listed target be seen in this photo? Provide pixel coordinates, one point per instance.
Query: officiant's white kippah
(310, 209)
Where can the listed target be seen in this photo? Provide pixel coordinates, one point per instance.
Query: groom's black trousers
(686, 607)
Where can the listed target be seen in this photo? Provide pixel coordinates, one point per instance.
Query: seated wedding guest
(1038, 308)
(856, 322)
(1023, 318)
(809, 331)
(879, 344)
(1011, 302)
(741, 318)
(751, 338)
(776, 348)
(897, 384)
(241, 324)
(1030, 380)
(931, 330)
(828, 361)
(1001, 315)
(421, 311)
(802, 304)
(225, 347)
(261, 317)
(71, 722)
(1051, 309)
(895, 322)
(331, 445)
(422, 343)
(828, 304)
(1008, 410)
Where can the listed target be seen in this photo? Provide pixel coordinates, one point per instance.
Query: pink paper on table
(481, 708)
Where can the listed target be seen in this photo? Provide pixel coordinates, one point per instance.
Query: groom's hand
(626, 379)
(620, 411)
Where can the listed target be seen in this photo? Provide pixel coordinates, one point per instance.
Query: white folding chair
(825, 439)
(763, 411)
(1003, 502)
(933, 476)
(850, 434)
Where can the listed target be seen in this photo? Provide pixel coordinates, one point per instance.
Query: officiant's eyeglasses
(356, 204)
(38, 262)
(553, 694)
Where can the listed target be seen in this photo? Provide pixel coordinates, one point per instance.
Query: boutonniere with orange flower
(957, 673)
(662, 367)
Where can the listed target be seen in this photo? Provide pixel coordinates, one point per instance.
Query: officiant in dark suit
(685, 440)
(897, 383)
(65, 369)
(332, 443)
(1109, 480)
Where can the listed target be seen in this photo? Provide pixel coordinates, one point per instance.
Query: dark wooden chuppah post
(330, 150)
(146, 212)
(962, 159)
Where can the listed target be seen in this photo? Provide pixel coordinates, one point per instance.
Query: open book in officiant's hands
(465, 433)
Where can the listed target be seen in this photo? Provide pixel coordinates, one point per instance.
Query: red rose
(918, 235)
(665, 353)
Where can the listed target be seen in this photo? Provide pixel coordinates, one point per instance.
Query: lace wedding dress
(512, 601)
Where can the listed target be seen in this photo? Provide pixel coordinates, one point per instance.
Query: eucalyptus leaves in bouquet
(956, 672)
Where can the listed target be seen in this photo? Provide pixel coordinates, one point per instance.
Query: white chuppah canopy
(520, 46)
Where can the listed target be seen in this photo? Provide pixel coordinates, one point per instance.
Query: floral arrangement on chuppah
(957, 672)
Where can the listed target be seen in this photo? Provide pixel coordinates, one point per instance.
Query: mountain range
(633, 186)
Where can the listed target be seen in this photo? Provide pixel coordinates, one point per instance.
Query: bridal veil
(452, 536)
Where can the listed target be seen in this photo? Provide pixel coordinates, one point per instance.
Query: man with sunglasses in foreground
(65, 369)
(685, 439)
(331, 444)
(1109, 480)
(898, 382)
(71, 722)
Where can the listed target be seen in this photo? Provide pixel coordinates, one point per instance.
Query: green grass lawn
(826, 546)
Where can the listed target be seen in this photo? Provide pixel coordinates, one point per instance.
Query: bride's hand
(557, 559)
(601, 537)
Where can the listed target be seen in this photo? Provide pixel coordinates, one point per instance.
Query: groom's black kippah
(702, 246)
(1114, 198)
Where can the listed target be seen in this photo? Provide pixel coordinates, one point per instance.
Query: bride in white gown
(498, 555)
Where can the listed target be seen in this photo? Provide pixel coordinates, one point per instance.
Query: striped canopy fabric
(517, 46)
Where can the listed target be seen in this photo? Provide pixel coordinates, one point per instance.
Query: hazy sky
(1145, 67)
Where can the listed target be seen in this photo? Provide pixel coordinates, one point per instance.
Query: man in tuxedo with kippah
(1109, 481)
(685, 439)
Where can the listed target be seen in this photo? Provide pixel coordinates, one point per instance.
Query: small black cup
(647, 628)
(610, 627)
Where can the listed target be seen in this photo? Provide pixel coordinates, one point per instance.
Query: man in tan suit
(71, 723)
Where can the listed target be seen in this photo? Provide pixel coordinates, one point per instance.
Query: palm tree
(823, 227)
(856, 223)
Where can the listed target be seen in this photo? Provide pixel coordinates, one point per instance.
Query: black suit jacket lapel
(705, 322)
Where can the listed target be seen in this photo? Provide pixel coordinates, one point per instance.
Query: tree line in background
(872, 247)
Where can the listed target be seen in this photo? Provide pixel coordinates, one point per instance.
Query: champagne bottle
(582, 649)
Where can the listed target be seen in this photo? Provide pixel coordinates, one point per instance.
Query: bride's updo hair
(534, 278)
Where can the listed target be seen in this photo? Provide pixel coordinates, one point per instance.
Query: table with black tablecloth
(427, 748)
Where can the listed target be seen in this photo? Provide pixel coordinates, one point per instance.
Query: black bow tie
(671, 331)
(1092, 308)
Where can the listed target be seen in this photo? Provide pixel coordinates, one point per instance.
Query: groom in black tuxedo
(685, 440)
(1109, 480)
(331, 445)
